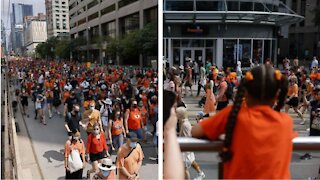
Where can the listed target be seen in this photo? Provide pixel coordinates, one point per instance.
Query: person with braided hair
(258, 138)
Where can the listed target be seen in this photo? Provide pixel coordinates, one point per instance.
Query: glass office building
(224, 31)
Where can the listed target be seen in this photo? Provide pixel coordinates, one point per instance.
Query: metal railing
(10, 136)
(193, 144)
(200, 145)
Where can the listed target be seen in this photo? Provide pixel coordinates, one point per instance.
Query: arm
(67, 127)
(126, 117)
(173, 164)
(109, 134)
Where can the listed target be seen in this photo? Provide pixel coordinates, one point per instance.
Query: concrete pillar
(219, 50)
(170, 59)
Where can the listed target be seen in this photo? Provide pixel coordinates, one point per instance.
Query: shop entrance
(196, 54)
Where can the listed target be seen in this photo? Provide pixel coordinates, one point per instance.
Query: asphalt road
(300, 169)
(48, 144)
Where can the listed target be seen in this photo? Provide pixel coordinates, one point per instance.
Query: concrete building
(96, 18)
(302, 39)
(18, 12)
(57, 12)
(3, 39)
(224, 31)
(35, 32)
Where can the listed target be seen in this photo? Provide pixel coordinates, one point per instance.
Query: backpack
(229, 91)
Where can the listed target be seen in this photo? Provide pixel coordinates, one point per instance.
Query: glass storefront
(202, 50)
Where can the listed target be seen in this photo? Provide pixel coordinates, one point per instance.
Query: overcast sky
(38, 6)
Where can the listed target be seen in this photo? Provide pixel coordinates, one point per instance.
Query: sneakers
(307, 156)
(302, 122)
(200, 176)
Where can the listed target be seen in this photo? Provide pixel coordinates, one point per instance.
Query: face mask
(105, 173)
(70, 138)
(135, 106)
(91, 108)
(76, 138)
(76, 110)
(96, 132)
(117, 115)
(133, 144)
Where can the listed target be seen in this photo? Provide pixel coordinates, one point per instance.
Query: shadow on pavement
(55, 155)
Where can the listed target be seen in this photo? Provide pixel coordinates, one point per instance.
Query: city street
(46, 146)
(208, 161)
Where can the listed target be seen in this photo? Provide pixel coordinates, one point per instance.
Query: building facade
(3, 39)
(19, 11)
(101, 18)
(35, 32)
(224, 31)
(302, 39)
(57, 12)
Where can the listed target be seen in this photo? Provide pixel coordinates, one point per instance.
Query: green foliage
(148, 40)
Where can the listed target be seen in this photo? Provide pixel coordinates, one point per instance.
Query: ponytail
(283, 86)
(226, 154)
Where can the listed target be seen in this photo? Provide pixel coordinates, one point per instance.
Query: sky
(38, 7)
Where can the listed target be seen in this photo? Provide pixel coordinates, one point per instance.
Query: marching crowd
(116, 106)
(239, 107)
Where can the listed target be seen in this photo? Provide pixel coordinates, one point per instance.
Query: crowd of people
(116, 106)
(240, 106)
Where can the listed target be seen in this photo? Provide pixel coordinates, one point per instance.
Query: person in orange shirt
(74, 143)
(133, 120)
(258, 138)
(292, 99)
(210, 104)
(144, 116)
(116, 131)
(129, 158)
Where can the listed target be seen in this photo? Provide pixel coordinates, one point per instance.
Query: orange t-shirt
(131, 162)
(261, 145)
(293, 90)
(134, 121)
(66, 95)
(69, 146)
(117, 127)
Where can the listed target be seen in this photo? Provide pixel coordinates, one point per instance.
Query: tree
(148, 40)
(42, 49)
(63, 48)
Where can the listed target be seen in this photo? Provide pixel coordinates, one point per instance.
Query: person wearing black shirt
(72, 120)
(70, 102)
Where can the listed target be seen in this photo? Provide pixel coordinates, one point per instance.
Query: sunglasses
(107, 166)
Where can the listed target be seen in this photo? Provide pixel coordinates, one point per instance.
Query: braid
(226, 154)
(283, 85)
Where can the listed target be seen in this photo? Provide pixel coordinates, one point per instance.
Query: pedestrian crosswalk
(192, 103)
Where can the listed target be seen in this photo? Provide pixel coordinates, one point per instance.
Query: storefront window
(246, 6)
(192, 43)
(186, 5)
(267, 50)
(209, 55)
(209, 43)
(245, 52)
(176, 43)
(210, 6)
(229, 53)
(176, 56)
(233, 5)
(257, 51)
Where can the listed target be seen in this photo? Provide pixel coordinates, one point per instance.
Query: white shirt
(41, 79)
(314, 63)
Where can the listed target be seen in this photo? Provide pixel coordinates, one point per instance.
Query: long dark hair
(263, 87)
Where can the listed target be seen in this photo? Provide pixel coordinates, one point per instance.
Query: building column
(219, 53)
(141, 25)
(170, 53)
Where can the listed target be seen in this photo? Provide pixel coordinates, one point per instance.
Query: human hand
(132, 177)
(112, 147)
(171, 122)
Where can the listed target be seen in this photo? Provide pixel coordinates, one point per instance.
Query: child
(185, 131)
(258, 139)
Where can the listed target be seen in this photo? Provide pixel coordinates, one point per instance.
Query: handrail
(193, 144)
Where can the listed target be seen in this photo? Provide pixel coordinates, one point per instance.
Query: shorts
(49, 101)
(24, 103)
(293, 102)
(97, 156)
(222, 105)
